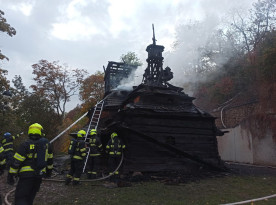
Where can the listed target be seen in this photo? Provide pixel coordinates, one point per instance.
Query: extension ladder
(93, 124)
(95, 118)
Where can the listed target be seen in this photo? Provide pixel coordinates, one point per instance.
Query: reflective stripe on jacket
(2, 158)
(7, 143)
(24, 162)
(95, 145)
(115, 146)
(80, 151)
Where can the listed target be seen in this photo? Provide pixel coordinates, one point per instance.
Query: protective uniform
(2, 160)
(94, 160)
(114, 149)
(7, 143)
(2, 165)
(77, 158)
(33, 161)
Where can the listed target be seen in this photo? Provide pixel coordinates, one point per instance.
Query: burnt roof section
(162, 99)
(115, 99)
(115, 72)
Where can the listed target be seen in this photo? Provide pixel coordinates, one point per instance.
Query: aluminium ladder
(95, 118)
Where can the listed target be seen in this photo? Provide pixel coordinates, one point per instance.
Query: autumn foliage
(92, 90)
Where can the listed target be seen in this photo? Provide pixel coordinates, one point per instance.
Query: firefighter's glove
(10, 179)
(48, 173)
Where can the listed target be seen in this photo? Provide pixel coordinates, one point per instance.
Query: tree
(6, 28)
(57, 83)
(35, 108)
(131, 59)
(19, 92)
(92, 90)
(254, 28)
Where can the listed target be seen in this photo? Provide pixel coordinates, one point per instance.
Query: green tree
(131, 59)
(36, 108)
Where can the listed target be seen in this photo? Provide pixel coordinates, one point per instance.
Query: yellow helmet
(93, 132)
(35, 129)
(114, 134)
(81, 133)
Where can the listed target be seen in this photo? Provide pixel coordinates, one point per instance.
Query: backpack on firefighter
(41, 150)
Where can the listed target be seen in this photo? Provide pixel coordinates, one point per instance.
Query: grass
(207, 191)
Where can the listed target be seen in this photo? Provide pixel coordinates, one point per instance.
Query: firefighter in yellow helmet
(77, 151)
(114, 149)
(33, 161)
(94, 160)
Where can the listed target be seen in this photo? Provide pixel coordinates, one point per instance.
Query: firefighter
(94, 160)
(2, 165)
(77, 150)
(114, 149)
(33, 161)
(7, 143)
(2, 160)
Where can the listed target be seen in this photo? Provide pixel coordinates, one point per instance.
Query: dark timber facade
(160, 125)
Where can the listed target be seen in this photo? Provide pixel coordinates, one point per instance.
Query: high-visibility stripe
(46, 154)
(8, 149)
(124, 146)
(26, 169)
(1, 149)
(3, 162)
(111, 153)
(76, 179)
(107, 146)
(69, 176)
(50, 156)
(7, 144)
(50, 166)
(13, 171)
(31, 155)
(83, 149)
(100, 146)
(19, 157)
(83, 154)
(77, 157)
(93, 155)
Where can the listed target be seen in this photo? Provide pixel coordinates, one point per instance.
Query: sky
(86, 34)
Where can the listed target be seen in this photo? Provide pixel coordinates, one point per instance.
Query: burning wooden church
(162, 129)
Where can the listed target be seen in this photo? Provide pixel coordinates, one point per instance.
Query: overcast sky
(86, 34)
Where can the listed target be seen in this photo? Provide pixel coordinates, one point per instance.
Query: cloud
(89, 33)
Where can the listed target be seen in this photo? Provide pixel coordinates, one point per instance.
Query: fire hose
(92, 180)
(62, 180)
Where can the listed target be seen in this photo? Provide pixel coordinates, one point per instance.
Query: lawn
(218, 190)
